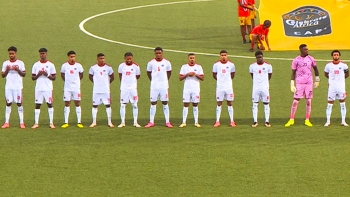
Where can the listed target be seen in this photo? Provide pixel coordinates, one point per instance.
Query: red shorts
(304, 91)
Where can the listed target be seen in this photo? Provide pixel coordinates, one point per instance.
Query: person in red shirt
(244, 19)
(259, 34)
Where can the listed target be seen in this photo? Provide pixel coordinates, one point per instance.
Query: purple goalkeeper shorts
(304, 91)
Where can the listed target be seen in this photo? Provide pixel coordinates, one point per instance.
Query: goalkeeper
(302, 83)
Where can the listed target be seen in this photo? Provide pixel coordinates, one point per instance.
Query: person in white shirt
(72, 73)
(223, 72)
(43, 72)
(13, 70)
(192, 74)
(261, 73)
(101, 75)
(159, 72)
(336, 72)
(129, 73)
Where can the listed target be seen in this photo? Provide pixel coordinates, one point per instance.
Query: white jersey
(191, 83)
(72, 78)
(13, 80)
(223, 74)
(101, 78)
(159, 75)
(43, 83)
(336, 73)
(129, 73)
(260, 75)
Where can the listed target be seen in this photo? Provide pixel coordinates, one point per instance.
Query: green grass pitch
(241, 161)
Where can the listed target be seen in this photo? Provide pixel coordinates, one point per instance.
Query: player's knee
(219, 103)
(19, 104)
(108, 106)
(164, 102)
(266, 103)
(154, 103)
(49, 105)
(8, 104)
(37, 106)
(194, 104)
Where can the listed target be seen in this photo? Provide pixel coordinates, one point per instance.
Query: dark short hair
(190, 54)
(42, 50)
(71, 53)
(158, 49)
(335, 51)
(302, 46)
(223, 51)
(258, 53)
(12, 48)
(267, 23)
(100, 55)
(128, 54)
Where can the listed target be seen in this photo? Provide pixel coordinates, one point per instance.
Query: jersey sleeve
(91, 71)
(270, 68)
(81, 68)
(120, 68)
(53, 69)
(233, 69)
(215, 68)
(326, 68)
(149, 67)
(34, 71)
(294, 64)
(138, 70)
(251, 68)
(110, 70)
(313, 62)
(22, 67)
(182, 70)
(3, 67)
(62, 68)
(201, 72)
(168, 68)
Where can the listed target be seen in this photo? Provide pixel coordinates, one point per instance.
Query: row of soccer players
(159, 71)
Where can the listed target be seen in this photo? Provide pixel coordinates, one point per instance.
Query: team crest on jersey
(226, 67)
(195, 69)
(47, 66)
(339, 68)
(104, 70)
(132, 69)
(263, 68)
(162, 65)
(75, 68)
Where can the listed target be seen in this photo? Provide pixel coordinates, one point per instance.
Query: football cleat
(150, 124)
(169, 125)
(308, 123)
(182, 125)
(121, 125)
(111, 125)
(22, 126)
(197, 125)
(217, 124)
(233, 124)
(79, 125)
(267, 124)
(35, 126)
(327, 124)
(64, 126)
(255, 124)
(93, 125)
(289, 123)
(5, 125)
(344, 124)
(137, 125)
(52, 126)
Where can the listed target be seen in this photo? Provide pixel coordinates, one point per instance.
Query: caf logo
(307, 21)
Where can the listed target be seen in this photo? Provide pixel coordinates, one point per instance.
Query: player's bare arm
(36, 76)
(52, 77)
(182, 77)
(149, 74)
(327, 75)
(214, 76)
(138, 76)
(91, 77)
(120, 76)
(293, 74)
(81, 75)
(63, 76)
(346, 73)
(252, 75)
(316, 71)
(270, 75)
(267, 43)
(232, 75)
(168, 73)
(111, 78)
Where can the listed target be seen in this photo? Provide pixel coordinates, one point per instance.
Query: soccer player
(192, 73)
(14, 70)
(252, 12)
(223, 72)
(259, 34)
(101, 75)
(261, 73)
(129, 73)
(301, 83)
(43, 72)
(244, 19)
(159, 72)
(72, 73)
(336, 72)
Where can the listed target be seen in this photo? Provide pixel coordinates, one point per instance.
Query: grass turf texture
(241, 161)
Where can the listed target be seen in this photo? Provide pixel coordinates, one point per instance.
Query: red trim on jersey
(12, 60)
(44, 61)
(70, 63)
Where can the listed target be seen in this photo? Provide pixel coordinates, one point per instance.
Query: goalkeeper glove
(317, 82)
(292, 86)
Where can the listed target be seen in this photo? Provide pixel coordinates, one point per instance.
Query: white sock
(20, 114)
(94, 114)
(218, 113)
(122, 112)
(66, 114)
(166, 112)
(267, 113)
(50, 110)
(135, 112)
(329, 112)
(342, 111)
(195, 114)
(109, 114)
(7, 113)
(36, 115)
(184, 114)
(255, 112)
(230, 112)
(152, 113)
(78, 112)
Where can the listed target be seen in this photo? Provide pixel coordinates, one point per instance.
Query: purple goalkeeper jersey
(303, 67)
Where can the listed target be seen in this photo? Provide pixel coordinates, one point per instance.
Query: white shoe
(93, 125)
(327, 124)
(344, 124)
(121, 125)
(182, 125)
(137, 125)
(111, 125)
(197, 125)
